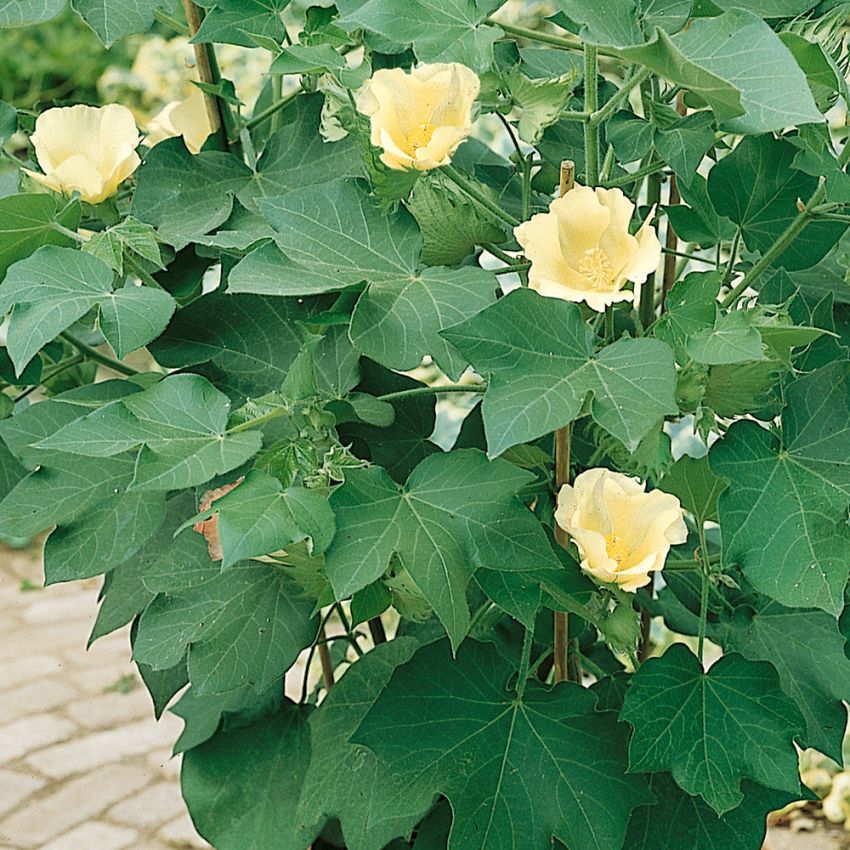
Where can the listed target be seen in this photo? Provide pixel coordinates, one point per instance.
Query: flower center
(421, 135)
(616, 548)
(596, 267)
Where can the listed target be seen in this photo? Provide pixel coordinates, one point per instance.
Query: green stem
(272, 109)
(71, 234)
(545, 38)
(146, 278)
(257, 420)
(788, 236)
(416, 391)
(518, 267)
(591, 129)
(607, 164)
(170, 21)
(435, 390)
(524, 662)
(639, 174)
(825, 216)
(92, 353)
(49, 376)
(687, 256)
(733, 258)
(498, 253)
(534, 35)
(482, 200)
(647, 290)
(609, 324)
(704, 589)
(620, 97)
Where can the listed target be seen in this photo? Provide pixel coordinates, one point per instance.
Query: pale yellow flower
(581, 250)
(623, 534)
(419, 118)
(85, 149)
(187, 118)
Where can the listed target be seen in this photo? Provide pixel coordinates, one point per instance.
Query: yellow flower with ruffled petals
(85, 149)
(581, 250)
(623, 534)
(419, 118)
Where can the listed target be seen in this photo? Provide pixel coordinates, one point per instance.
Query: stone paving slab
(83, 763)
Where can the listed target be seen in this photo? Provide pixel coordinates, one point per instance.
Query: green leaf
(337, 236)
(8, 121)
(403, 442)
(767, 92)
(128, 236)
(711, 730)
(11, 471)
(807, 650)
(337, 766)
(297, 154)
(691, 307)
(244, 627)
(684, 144)
(676, 814)
(132, 316)
(732, 340)
(516, 594)
(456, 512)
(54, 287)
(770, 8)
(439, 30)
(50, 290)
(163, 685)
(451, 225)
(61, 492)
(691, 480)
(26, 223)
(242, 786)
(235, 21)
(541, 102)
(254, 340)
(104, 537)
(758, 188)
(398, 322)
(699, 222)
(370, 602)
(784, 515)
(183, 195)
(260, 517)
(113, 19)
(24, 13)
(516, 770)
(539, 355)
(180, 423)
(307, 59)
(124, 595)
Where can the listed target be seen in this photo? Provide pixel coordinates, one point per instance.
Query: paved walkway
(83, 763)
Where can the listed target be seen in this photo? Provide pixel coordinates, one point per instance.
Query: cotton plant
(232, 333)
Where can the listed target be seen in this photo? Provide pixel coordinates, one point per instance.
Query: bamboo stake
(562, 476)
(202, 60)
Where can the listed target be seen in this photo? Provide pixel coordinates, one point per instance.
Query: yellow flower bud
(85, 149)
(581, 250)
(623, 534)
(419, 118)
(187, 118)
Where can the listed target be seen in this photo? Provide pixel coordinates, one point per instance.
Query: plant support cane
(562, 476)
(205, 68)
